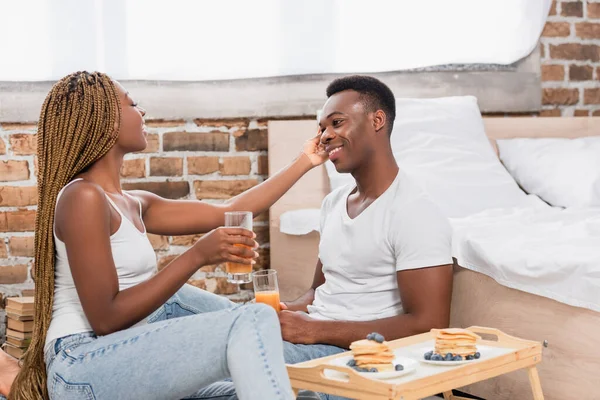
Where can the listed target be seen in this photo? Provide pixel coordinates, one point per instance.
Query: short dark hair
(375, 94)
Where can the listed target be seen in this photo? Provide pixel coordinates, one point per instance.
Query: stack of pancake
(455, 341)
(370, 354)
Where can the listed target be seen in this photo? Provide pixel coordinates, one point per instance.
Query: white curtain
(231, 39)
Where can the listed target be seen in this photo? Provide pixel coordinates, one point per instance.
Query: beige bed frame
(571, 362)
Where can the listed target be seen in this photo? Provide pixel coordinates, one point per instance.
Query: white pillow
(563, 172)
(441, 143)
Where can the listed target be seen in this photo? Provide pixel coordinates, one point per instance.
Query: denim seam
(76, 339)
(62, 345)
(155, 316)
(82, 387)
(187, 307)
(177, 301)
(261, 346)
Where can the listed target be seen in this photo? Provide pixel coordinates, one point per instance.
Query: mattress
(550, 252)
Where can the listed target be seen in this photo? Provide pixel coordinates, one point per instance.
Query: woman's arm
(182, 217)
(83, 224)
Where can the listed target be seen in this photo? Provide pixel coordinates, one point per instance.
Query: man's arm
(426, 294)
(302, 302)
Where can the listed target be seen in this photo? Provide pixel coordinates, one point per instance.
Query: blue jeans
(297, 353)
(293, 354)
(174, 357)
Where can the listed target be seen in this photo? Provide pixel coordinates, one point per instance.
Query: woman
(9, 368)
(107, 325)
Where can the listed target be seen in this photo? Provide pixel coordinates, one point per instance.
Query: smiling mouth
(337, 149)
(334, 153)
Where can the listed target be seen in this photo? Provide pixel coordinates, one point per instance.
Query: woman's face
(132, 133)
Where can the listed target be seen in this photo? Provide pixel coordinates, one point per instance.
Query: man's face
(346, 130)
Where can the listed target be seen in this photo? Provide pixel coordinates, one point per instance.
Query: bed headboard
(295, 257)
(538, 127)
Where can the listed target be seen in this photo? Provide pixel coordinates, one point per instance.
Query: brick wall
(571, 59)
(207, 160)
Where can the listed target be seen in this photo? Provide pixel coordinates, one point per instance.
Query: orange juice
(270, 297)
(235, 268)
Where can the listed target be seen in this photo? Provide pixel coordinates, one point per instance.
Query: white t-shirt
(402, 229)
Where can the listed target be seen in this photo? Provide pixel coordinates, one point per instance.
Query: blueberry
(378, 338)
(351, 363)
(470, 357)
(428, 355)
(436, 357)
(373, 370)
(448, 357)
(457, 357)
(399, 367)
(370, 336)
(477, 355)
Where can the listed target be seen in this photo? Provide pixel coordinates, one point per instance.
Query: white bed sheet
(300, 222)
(551, 252)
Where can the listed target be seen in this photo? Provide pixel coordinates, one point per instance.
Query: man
(385, 255)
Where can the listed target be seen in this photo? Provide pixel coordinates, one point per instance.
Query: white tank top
(134, 260)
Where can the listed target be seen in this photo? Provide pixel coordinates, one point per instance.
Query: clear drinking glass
(239, 273)
(266, 289)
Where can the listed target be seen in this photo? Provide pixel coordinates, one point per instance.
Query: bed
(571, 356)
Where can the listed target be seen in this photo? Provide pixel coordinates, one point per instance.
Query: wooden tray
(512, 354)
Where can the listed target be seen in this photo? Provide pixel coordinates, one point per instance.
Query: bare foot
(9, 368)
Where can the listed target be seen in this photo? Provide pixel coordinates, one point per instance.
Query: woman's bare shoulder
(81, 199)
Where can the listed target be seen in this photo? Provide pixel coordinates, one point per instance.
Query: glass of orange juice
(266, 290)
(238, 273)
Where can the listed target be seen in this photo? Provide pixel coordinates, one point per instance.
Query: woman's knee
(192, 300)
(263, 311)
(262, 316)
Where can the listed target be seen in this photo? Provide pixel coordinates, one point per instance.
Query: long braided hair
(78, 124)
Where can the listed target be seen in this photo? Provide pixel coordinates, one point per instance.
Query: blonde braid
(78, 124)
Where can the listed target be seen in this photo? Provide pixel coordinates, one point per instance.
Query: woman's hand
(315, 151)
(226, 245)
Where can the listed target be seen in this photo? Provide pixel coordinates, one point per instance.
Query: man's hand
(297, 327)
(422, 311)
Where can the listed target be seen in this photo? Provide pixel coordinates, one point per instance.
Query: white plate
(421, 352)
(409, 366)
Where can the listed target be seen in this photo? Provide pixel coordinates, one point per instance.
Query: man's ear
(379, 119)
